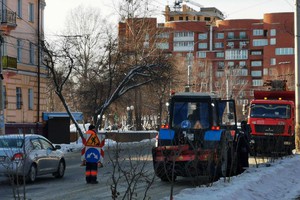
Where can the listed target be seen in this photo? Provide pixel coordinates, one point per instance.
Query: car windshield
(271, 111)
(11, 142)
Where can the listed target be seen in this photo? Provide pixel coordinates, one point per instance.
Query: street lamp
(129, 114)
(167, 118)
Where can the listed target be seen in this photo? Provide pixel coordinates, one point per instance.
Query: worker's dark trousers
(91, 171)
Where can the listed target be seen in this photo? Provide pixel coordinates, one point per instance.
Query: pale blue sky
(56, 10)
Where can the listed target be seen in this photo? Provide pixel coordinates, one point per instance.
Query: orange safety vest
(90, 132)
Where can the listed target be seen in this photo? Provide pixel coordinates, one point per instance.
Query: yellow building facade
(24, 76)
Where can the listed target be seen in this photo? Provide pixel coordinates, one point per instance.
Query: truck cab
(271, 119)
(200, 139)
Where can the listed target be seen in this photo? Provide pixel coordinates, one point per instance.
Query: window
(202, 45)
(4, 98)
(236, 54)
(230, 64)
(242, 44)
(219, 35)
(257, 82)
(219, 54)
(36, 144)
(184, 34)
(273, 32)
(258, 32)
(266, 71)
(217, 83)
(30, 99)
(257, 63)
(46, 144)
(31, 53)
(242, 63)
(243, 72)
(19, 11)
(147, 37)
(230, 44)
(219, 74)
(284, 51)
(242, 35)
(273, 61)
(219, 45)
(189, 58)
(146, 44)
(256, 52)
(163, 35)
(19, 50)
(31, 12)
(202, 75)
(19, 98)
(256, 73)
(183, 46)
(273, 41)
(221, 65)
(201, 54)
(259, 42)
(162, 45)
(207, 18)
(230, 35)
(202, 36)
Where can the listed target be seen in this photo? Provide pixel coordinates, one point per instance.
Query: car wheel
(31, 176)
(61, 170)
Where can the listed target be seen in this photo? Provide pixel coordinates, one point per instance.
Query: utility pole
(297, 75)
(2, 124)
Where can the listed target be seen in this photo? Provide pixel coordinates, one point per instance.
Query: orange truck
(271, 119)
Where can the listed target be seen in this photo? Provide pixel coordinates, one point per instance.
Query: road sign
(93, 141)
(92, 154)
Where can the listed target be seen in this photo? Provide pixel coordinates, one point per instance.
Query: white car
(38, 157)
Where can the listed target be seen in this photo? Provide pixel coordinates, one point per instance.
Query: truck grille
(275, 129)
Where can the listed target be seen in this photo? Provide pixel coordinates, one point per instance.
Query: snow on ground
(277, 180)
(280, 179)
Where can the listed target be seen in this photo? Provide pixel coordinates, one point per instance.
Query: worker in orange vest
(91, 168)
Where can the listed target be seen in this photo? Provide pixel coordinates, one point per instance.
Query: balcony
(8, 20)
(241, 38)
(9, 62)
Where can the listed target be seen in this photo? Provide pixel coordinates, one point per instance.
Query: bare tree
(130, 173)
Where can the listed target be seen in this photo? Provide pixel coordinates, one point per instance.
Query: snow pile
(281, 180)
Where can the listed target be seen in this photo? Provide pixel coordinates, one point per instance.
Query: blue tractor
(202, 139)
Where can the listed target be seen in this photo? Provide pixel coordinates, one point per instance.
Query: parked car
(37, 157)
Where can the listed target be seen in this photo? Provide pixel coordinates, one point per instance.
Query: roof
(195, 94)
(49, 115)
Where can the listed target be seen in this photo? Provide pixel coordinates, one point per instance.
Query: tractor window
(227, 113)
(193, 115)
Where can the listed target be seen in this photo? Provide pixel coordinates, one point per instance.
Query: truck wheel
(225, 161)
(214, 172)
(164, 172)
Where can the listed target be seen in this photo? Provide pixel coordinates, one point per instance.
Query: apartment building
(24, 76)
(229, 57)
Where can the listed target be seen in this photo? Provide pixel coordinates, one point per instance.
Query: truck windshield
(270, 111)
(193, 115)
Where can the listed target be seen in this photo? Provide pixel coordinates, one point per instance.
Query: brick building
(229, 57)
